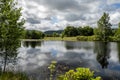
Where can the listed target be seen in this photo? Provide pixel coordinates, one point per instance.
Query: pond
(34, 57)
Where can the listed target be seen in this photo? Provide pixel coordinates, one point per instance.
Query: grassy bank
(13, 76)
(77, 38)
(60, 39)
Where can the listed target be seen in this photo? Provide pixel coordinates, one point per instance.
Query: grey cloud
(88, 1)
(67, 11)
(63, 5)
(33, 21)
(74, 17)
(60, 4)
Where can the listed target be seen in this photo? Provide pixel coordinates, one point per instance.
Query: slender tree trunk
(5, 62)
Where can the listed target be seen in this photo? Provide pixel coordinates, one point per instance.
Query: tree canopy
(11, 29)
(11, 24)
(104, 27)
(71, 31)
(34, 34)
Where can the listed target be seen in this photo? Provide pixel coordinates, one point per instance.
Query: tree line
(103, 31)
(34, 34)
(11, 27)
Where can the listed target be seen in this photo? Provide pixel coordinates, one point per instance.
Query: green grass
(13, 76)
(60, 39)
(77, 38)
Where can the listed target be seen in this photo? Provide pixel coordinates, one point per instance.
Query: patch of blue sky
(116, 5)
(54, 20)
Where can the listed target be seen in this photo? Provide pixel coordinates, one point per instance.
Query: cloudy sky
(56, 14)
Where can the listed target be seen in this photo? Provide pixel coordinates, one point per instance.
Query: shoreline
(63, 39)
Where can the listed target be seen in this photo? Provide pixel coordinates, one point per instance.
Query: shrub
(52, 67)
(79, 74)
(88, 38)
(114, 38)
(93, 38)
(82, 38)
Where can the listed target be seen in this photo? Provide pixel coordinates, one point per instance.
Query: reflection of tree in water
(69, 45)
(103, 53)
(77, 45)
(32, 44)
(118, 46)
(8, 52)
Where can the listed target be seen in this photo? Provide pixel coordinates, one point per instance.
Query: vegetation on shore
(77, 74)
(103, 32)
(60, 39)
(11, 31)
(13, 76)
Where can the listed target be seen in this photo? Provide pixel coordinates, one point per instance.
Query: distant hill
(53, 31)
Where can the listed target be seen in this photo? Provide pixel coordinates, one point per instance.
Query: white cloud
(39, 13)
(113, 1)
(115, 18)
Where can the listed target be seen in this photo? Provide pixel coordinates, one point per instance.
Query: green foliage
(33, 34)
(82, 38)
(11, 30)
(104, 27)
(114, 32)
(55, 34)
(119, 24)
(88, 38)
(94, 38)
(62, 35)
(52, 67)
(60, 39)
(113, 38)
(11, 26)
(79, 74)
(85, 31)
(117, 34)
(70, 31)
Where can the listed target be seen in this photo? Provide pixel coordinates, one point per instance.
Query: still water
(33, 58)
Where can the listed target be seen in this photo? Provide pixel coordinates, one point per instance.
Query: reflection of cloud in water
(77, 54)
(81, 54)
(59, 46)
(78, 45)
(113, 53)
(32, 58)
(55, 48)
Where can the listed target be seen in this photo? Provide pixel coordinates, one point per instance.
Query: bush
(114, 38)
(88, 38)
(82, 38)
(52, 67)
(79, 74)
(93, 38)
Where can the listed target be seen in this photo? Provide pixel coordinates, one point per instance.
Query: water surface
(33, 58)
